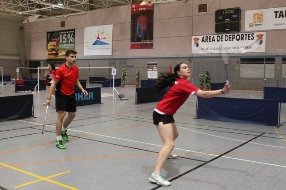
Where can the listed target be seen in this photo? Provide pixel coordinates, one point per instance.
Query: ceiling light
(60, 3)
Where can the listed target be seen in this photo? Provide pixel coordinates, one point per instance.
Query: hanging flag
(142, 16)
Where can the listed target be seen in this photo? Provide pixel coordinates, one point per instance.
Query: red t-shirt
(66, 78)
(176, 96)
(52, 73)
(49, 77)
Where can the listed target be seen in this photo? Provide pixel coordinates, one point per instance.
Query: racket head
(45, 119)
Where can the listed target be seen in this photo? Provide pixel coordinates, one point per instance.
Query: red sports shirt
(66, 78)
(176, 96)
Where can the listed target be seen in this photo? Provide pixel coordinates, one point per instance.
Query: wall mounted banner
(265, 19)
(58, 42)
(229, 43)
(142, 16)
(98, 40)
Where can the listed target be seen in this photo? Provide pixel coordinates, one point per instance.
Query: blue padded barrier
(275, 93)
(29, 85)
(148, 83)
(16, 107)
(93, 97)
(216, 86)
(5, 77)
(257, 111)
(109, 83)
(98, 80)
(145, 95)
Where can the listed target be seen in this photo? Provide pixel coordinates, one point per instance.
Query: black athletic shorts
(65, 102)
(165, 118)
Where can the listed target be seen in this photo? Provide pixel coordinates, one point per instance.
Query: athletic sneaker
(60, 144)
(172, 156)
(65, 136)
(157, 178)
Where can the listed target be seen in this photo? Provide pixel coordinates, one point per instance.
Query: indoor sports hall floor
(114, 146)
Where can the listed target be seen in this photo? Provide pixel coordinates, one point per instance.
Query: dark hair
(52, 66)
(166, 80)
(70, 51)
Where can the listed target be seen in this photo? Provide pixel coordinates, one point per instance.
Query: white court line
(182, 149)
(103, 95)
(281, 147)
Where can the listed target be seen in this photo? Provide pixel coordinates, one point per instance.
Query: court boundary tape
(279, 134)
(5, 138)
(237, 140)
(146, 143)
(211, 160)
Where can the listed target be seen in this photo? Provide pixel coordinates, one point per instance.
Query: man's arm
(51, 90)
(81, 88)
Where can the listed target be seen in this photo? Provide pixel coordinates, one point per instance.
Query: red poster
(142, 15)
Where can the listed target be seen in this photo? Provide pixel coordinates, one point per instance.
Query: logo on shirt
(176, 82)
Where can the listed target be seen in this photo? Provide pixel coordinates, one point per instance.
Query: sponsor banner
(152, 72)
(142, 16)
(229, 43)
(58, 42)
(98, 40)
(265, 19)
(93, 97)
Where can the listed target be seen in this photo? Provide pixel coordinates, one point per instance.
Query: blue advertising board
(93, 97)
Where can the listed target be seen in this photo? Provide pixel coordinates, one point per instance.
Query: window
(257, 67)
(203, 8)
(284, 67)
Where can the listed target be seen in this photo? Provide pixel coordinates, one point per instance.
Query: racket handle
(227, 82)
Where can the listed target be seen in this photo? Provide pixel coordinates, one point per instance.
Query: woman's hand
(226, 88)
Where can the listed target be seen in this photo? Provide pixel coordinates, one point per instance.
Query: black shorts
(65, 102)
(165, 118)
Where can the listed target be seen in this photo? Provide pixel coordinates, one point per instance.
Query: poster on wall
(98, 40)
(152, 71)
(58, 42)
(229, 43)
(265, 19)
(142, 16)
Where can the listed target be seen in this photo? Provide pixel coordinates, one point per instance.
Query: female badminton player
(49, 76)
(178, 90)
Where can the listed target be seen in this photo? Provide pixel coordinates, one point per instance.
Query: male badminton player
(65, 80)
(179, 89)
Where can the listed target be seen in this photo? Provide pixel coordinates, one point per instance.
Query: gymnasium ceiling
(32, 10)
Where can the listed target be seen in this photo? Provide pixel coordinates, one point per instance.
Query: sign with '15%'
(58, 42)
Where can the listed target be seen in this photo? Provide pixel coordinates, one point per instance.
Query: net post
(38, 81)
(113, 72)
(18, 75)
(2, 79)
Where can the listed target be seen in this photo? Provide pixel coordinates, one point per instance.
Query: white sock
(59, 138)
(64, 129)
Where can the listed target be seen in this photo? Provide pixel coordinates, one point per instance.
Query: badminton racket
(45, 119)
(224, 55)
